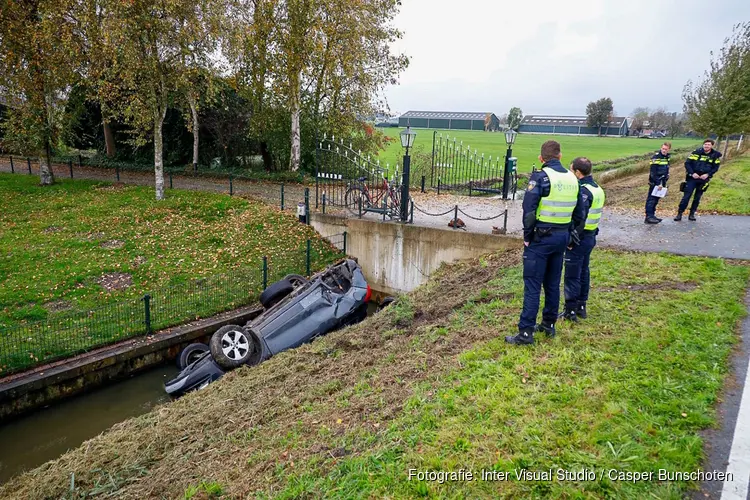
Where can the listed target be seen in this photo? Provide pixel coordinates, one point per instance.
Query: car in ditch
(296, 310)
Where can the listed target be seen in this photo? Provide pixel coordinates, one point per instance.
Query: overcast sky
(556, 56)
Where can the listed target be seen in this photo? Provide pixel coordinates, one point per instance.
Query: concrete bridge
(397, 258)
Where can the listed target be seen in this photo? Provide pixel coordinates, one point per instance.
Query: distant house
(574, 125)
(450, 120)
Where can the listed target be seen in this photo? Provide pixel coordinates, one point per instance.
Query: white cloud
(555, 56)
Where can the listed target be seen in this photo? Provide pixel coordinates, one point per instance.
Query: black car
(296, 310)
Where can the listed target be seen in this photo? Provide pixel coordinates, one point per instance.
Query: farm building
(546, 124)
(450, 120)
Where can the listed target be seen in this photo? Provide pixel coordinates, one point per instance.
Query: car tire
(275, 292)
(190, 354)
(386, 302)
(231, 346)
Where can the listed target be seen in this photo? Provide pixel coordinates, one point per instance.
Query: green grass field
(82, 244)
(527, 146)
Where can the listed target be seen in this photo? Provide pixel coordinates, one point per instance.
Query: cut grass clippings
(429, 384)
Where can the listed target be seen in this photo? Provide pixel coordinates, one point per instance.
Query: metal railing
(65, 334)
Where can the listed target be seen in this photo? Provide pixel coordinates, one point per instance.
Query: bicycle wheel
(394, 210)
(352, 199)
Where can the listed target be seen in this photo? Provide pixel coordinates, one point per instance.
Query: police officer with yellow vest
(700, 167)
(552, 207)
(577, 276)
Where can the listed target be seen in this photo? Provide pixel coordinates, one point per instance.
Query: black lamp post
(510, 138)
(407, 141)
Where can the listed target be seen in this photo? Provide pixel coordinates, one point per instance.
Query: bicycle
(386, 198)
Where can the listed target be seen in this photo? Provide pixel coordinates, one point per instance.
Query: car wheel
(275, 292)
(190, 354)
(231, 346)
(386, 302)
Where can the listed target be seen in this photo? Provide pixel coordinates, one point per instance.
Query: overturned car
(296, 310)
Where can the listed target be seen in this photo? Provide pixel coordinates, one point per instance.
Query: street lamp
(510, 138)
(407, 141)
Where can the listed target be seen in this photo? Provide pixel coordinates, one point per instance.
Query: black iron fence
(68, 333)
(455, 167)
(348, 179)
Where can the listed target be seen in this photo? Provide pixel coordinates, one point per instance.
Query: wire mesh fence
(65, 334)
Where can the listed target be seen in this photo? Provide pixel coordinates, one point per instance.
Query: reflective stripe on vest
(595, 212)
(557, 208)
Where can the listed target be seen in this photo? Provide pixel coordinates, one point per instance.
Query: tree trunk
(158, 152)
(600, 130)
(109, 139)
(294, 159)
(46, 176)
(726, 145)
(739, 144)
(194, 112)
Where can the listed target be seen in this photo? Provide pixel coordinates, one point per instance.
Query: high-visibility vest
(557, 208)
(595, 212)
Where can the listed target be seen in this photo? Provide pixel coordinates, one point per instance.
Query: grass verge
(429, 384)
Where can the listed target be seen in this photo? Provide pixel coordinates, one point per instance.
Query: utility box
(513, 163)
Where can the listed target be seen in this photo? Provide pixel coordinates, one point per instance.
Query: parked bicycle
(384, 198)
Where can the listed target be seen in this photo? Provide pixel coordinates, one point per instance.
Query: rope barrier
(430, 214)
(484, 218)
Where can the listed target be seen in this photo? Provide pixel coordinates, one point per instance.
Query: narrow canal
(46, 434)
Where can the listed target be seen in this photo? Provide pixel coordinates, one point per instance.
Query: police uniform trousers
(577, 275)
(690, 186)
(542, 267)
(651, 202)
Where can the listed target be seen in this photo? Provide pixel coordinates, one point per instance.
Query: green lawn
(527, 146)
(61, 247)
(429, 384)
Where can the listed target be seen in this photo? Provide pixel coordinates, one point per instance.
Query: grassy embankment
(81, 244)
(729, 191)
(429, 384)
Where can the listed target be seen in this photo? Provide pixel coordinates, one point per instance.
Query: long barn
(575, 125)
(450, 120)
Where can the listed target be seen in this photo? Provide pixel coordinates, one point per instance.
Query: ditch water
(46, 434)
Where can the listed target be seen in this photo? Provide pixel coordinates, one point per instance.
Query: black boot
(581, 311)
(524, 337)
(570, 314)
(548, 328)
(652, 220)
(692, 215)
(679, 216)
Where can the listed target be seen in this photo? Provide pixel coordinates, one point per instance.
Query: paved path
(712, 235)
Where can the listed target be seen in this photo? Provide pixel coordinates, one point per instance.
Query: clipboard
(659, 192)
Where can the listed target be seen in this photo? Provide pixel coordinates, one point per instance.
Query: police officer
(700, 167)
(577, 257)
(658, 176)
(551, 203)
